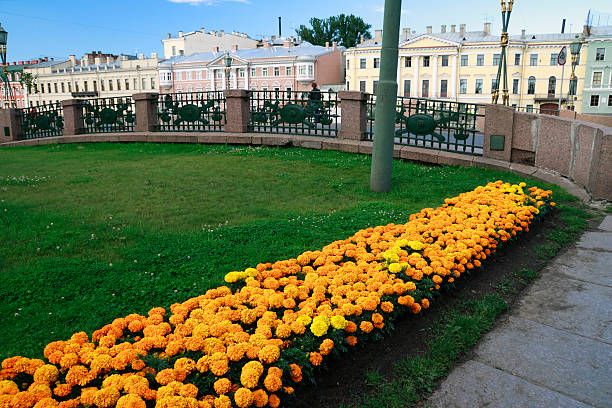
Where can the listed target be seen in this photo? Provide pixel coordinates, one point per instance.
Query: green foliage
(27, 79)
(343, 29)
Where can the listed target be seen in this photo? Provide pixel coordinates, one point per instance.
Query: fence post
(73, 117)
(146, 111)
(499, 128)
(10, 125)
(354, 115)
(237, 110)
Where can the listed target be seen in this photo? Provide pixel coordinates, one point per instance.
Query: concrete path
(555, 348)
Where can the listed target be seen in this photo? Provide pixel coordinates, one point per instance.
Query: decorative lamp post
(228, 64)
(503, 67)
(386, 99)
(7, 91)
(575, 47)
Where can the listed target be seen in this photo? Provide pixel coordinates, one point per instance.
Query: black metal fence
(435, 124)
(42, 121)
(114, 114)
(191, 112)
(294, 112)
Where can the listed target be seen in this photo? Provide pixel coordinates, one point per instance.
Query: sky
(58, 28)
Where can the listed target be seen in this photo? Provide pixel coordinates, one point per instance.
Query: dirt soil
(344, 378)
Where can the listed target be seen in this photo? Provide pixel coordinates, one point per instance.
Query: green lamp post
(7, 86)
(502, 68)
(386, 99)
(575, 47)
(228, 64)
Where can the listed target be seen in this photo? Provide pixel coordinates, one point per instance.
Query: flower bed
(249, 343)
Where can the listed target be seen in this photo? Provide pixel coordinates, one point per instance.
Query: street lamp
(502, 68)
(7, 85)
(228, 64)
(575, 47)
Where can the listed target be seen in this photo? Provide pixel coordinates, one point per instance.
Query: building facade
(598, 80)
(287, 67)
(94, 75)
(202, 40)
(462, 65)
(17, 95)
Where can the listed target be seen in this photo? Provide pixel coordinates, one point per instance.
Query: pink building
(286, 67)
(17, 95)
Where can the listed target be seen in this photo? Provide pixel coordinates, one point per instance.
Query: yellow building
(462, 66)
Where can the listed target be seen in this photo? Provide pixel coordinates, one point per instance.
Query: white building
(203, 41)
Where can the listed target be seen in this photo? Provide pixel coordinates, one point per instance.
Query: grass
(452, 334)
(98, 231)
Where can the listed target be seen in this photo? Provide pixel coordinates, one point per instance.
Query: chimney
(462, 30)
(361, 39)
(266, 44)
(215, 49)
(169, 35)
(405, 34)
(487, 28)
(124, 58)
(97, 60)
(180, 33)
(443, 29)
(181, 53)
(287, 43)
(378, 35)
(212, 32)
(334, 46)
(327, 45)
(429, 29)
(202, 30)
(586, 30)
(453, 28)
(141, 56)
(221, 33)
(154, 55)
(235, 47)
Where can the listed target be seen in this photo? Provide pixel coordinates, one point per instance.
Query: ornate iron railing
(114, 114)
(191, 112)
(435, 124)
(43, 120)
(295, 113)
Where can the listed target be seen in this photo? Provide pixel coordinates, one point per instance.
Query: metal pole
(561, 88)
(386, 98)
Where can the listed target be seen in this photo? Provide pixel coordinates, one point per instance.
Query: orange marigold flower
(260, 398)
(243, 397)
(326, 347)
(377, 318)
(188, 391)
(165, 377)
(131, 401)
(351, 340)
(222, 386)
(106, 397)
(45, 374)
(366, 326)
(425, 303)
(62, 390)
(251, 371)
(77, 375)
(46, 403)
(269, 354)
(351, 327)
(273, 382)
(223, 402)
(416, 308)
(386, 307)
(315, 358)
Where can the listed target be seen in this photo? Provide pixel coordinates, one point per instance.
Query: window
(552, 85)
(49, 87)
(494, 84)
(348, 86)
(463, 86)
(407, 62)
(55, 87)
(529, 108)
(443, 88)
(118, 84)
(362, 63)
(480, 60)
(220, 73)
(533, 60)
(241, 73)
(496, 59)
(85, 87)
(264, 71)
(276, 71)
(594, 100)
(288, 71)
(207, 74)
(445, 60)
(302, 70)
(376, 62)
(610, 100)
(110, 84)
(531, 83)
(311, 70)
(348, 65)
(127, 84)
(406, 87)
(173, 50)
(515, 86)
(517, 59)
(63, 89)
(362, 85)
(101, 85)
(596, 79)
(374, 87)
(152, 83)
(554, 59)
(144, 83)
(135, 84)
(187, 76)
(464, 60)
(426, 61)
(478, 86)
(95, 86)
(600, 54)
(198, 75)
(425, 89)
(253, 72)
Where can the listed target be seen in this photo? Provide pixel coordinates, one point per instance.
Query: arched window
(552, 85)
(531, 85)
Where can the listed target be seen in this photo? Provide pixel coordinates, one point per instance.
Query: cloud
(208, 2)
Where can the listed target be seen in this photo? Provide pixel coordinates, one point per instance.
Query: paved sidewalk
(555, 348)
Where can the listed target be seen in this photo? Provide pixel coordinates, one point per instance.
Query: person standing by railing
(315, 103)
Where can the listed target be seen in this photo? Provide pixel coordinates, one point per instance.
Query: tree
(343, 29)
(27, 80)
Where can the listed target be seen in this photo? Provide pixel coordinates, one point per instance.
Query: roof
(304, 49)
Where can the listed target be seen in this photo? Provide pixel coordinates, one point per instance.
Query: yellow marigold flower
(131, 401)
(8, 387)
(250, 374)
(319, 327)
(106, 397)
(45, 374)
(243, 397)
(416, 245)
(305, 320)
(395, 267)
(338, 322)
(252, 272)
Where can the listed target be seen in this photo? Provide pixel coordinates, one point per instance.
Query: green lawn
(96, 231)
